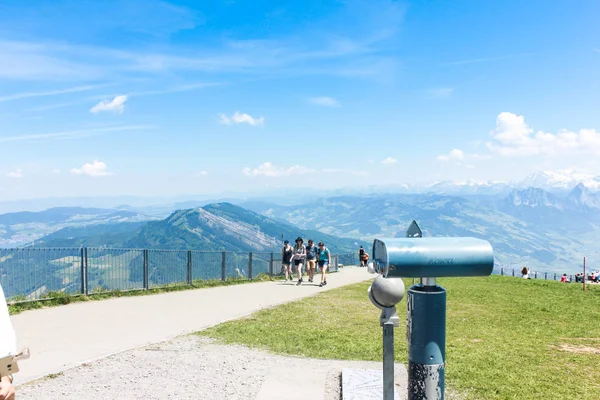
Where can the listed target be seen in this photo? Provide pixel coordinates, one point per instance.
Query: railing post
(502, 271)
(189, 267)
(82, 272)
(250, 265)
(146, 277)
(545, 275)
(271, 265)
(85, 256)
(536, 275)
(223, 267)
(513, 272)
(555, 276)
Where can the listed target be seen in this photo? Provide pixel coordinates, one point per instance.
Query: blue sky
(145, 97)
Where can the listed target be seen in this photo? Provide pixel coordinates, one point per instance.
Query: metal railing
(543, 275)
(35, 273)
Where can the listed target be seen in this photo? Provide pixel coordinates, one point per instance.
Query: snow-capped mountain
(562, 179)
(578, 199)
(468, 187)
(559, 182)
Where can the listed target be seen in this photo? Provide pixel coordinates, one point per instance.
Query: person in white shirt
(8, 346)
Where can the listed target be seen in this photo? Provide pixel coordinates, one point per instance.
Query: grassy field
(507, 338)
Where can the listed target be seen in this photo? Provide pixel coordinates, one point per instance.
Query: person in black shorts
(287, 253)
(324, 260)
(311, 260)
(299, 256)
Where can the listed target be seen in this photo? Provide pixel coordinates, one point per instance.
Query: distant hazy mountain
(531, 226)
(214, 227)
(534, 197)
(22, 228)
(100, 235)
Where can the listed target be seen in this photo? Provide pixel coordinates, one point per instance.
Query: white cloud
(389, 161)
(454, 155)
(459, 157)
(15, 174)
(201, 173)
(97, 168)
(325, 101)
(116, 105)
(239, 118)
(439, 93)
(269, 170)
(513, 137)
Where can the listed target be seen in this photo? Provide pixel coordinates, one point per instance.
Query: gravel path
(64, 337)
(187, 367)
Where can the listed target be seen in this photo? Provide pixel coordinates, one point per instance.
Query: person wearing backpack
(324, 261)
(361, 256)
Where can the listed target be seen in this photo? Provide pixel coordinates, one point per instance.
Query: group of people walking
(310, 256)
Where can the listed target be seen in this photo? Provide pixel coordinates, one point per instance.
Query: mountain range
(531, 227)
(558, 182)
(21, 228)
(549, 228)
(214, 227)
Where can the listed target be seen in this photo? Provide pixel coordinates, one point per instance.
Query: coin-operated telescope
(427, 259)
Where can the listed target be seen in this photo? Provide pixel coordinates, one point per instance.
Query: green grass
(53, 299)
(504, 335)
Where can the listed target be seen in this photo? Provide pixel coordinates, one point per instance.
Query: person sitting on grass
(324, 261)
(563, 278)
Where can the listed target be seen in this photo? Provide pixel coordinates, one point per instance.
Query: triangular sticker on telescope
(414, 230)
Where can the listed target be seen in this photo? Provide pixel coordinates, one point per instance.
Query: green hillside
(215, 227)
(525, 229)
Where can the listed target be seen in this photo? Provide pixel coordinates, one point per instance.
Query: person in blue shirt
(324, 261)
(311, 259)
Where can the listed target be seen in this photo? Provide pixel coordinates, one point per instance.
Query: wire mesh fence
(108, 269)
(36, 273)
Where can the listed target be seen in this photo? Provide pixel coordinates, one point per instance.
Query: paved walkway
(67, 336)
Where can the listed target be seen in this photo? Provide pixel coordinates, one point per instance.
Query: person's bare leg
(299, 272)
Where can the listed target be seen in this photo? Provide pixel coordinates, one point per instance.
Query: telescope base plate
(363, 384)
